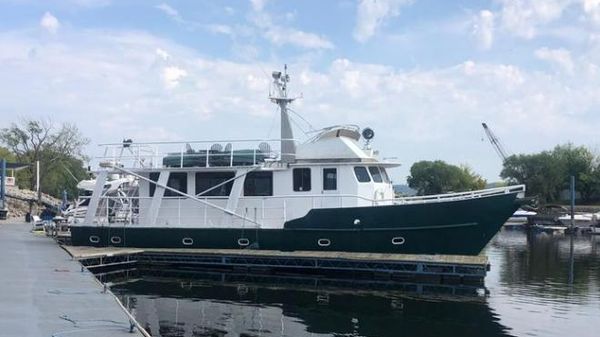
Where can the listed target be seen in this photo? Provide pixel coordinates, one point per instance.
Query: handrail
(484, 192)
(200, 141)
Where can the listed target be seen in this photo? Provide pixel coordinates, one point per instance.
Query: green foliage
(6, 154)
(435, 177)
(548, 173)
(58, 149)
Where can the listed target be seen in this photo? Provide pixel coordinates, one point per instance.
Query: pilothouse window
(374, 170)
(361, 174)
(329, 179)
(386, 178)
(207, 180)
(301, 179)
(258, 184)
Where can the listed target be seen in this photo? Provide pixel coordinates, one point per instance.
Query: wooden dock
(430, 268)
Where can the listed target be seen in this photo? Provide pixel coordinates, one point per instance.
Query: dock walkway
(44, 292)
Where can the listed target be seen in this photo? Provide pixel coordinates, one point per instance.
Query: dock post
(2, 184)
(3, 210)
(571, 256)
(572, 202)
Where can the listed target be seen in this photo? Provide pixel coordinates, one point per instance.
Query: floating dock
(45, 292)
(430, 269)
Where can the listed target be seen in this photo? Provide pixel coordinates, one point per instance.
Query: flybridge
(213, 153)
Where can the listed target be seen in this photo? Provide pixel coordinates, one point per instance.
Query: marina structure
(330, 193)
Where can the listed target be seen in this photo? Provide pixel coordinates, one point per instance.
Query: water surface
(531, 290)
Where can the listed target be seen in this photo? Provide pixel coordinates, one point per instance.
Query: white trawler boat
(328, 193)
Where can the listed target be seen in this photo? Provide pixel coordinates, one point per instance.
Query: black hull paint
(461, 227)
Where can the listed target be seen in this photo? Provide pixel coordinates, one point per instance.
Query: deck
(46, 293)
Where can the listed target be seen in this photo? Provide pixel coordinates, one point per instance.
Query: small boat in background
(520, 217)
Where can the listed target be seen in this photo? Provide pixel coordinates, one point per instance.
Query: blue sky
(423, 74)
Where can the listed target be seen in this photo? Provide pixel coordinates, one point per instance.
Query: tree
(435, 177)
(56, 148)
(548, 173)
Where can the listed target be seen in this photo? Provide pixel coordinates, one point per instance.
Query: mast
(280, 97)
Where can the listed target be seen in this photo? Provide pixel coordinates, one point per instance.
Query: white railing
(214, 153)
(459, 195)
(255, 211)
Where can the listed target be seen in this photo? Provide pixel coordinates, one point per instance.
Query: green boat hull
(461, 227)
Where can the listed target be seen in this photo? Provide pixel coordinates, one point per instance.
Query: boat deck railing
(460, 195)
(179, 154)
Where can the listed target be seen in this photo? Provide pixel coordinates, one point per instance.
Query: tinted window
(154, 177)
(206, 180)
(329, 179)
(177, 180)
(375, 174)
(361, 174)
(386, 178)
(301, 179)
(258, 184)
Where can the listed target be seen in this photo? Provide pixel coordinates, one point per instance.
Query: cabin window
(329, 179)
(206, 180)
(301, 179)
(374, 170)
(361, 174)
(258, 184)
(384, 174)
(177, 180)
(154, 177)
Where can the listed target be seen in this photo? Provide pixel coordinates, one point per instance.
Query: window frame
(366, 171)
(154, 176)
(218, 177)
(378, 174)
(335, 185)
(253, 175)
(305, 180)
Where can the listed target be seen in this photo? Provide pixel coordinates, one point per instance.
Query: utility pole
(37, 181)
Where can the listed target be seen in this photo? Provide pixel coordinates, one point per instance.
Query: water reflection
(529, 294)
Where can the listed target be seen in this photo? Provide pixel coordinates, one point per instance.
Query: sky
(423, 74)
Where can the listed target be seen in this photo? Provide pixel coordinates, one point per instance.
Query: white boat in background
(580, 219)
(520, 217)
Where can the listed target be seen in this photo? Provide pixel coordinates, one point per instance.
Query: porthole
(398, 240)
(94, 239)
(324, 242)
(187, 241)
(115, 240)
(243, 242)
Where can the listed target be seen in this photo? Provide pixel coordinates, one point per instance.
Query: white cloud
(49, 22)
(370, 14)
(170, 11)
(560, 57)
(141, 92)
(524, 17)
(258, 5)
(483, 29)
(172, 75)
(162, 54)
(284, 35)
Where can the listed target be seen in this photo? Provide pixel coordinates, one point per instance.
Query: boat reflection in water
(205, 309)
(531, 293)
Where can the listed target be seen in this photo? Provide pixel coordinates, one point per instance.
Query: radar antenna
(280, 97)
